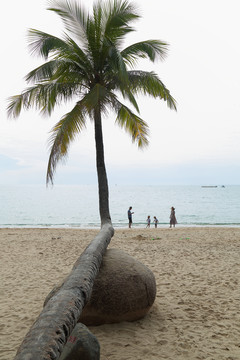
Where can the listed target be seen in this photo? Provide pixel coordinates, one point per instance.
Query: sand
(196, 314)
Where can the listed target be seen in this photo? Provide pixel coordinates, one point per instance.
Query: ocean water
(77, 206)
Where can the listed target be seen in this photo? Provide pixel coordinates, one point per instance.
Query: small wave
(116, 225)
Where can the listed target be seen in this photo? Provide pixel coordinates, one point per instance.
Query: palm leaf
(63, 133)
(43, 97)
(116, 64)
(151, 49)
(148, 83)
(42, 44)
(43, 72)
(118, 15)
(126, 91)
(15, 106)
(129, 95)
(28, 98)
(74, 17)
(74, 59)
(133, 124)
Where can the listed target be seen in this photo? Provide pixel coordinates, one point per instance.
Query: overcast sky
(198, 144)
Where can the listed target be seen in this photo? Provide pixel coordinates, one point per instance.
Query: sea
(68, 206)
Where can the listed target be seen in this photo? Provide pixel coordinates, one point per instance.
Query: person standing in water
(173, 220)
(155, 220)
(130, 217)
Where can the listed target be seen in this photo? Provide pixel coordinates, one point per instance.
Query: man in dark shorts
(130, 217)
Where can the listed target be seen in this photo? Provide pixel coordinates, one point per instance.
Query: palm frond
(73, 58)
(129, 95)
(148, 83)
(94, 42)
(118, 16)
(116, 64)
(77, 55)
(54, 93)
(126, 91)
(73, 15)
(133, 124)
(15, 105)
(43, 72)
(43, 97)
(27, 99)
(63, 133)
(151, 49)
(98, 23)
(42, 44)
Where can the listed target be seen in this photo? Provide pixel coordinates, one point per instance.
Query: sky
(199, 144)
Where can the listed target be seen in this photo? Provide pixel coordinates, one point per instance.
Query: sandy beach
(196, 314)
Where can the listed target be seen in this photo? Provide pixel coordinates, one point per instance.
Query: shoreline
(196, 311)
(140, 227)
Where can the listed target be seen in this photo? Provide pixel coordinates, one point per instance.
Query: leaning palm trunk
(48, 335)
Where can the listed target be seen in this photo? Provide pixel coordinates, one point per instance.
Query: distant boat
(209, 186)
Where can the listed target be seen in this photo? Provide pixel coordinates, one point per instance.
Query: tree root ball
(124, 290)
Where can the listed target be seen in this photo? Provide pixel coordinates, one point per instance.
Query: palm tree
(91, 67)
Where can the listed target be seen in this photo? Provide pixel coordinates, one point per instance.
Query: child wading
(148, 221)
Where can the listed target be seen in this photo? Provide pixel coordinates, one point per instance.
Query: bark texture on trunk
(48, 335)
